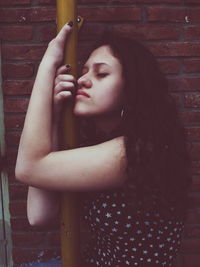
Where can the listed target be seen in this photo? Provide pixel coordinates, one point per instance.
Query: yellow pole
(66, 11)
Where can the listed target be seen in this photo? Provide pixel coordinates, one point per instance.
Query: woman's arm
(42, 206)
(82, 169)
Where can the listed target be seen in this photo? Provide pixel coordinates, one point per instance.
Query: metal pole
(70, 241)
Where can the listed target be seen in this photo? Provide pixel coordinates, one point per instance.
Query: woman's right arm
(43, 206)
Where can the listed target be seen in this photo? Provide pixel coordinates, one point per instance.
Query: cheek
(110, 95)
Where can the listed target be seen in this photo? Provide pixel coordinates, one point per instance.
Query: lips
(81, 92)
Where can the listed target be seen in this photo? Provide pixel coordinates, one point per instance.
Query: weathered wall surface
(170, 28)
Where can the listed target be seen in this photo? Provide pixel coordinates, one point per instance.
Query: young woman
(133, 170)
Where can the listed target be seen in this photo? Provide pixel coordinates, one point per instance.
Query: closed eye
(102, 75)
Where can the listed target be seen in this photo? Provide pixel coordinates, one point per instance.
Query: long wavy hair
(158, 161)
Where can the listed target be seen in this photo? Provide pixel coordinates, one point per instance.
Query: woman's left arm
(89, 168)
(36, 139)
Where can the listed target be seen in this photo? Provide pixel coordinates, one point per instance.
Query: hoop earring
(122, 113)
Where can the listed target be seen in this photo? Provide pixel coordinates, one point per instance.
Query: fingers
(62, 96)
(64, 33)
(64, 86)
(64, 80)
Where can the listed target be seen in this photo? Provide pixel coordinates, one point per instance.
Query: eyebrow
(97, 64)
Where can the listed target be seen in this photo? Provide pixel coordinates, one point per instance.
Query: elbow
(37, 221)
(22, 173)
(40, 220)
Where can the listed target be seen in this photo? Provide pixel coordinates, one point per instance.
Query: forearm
(36, 139)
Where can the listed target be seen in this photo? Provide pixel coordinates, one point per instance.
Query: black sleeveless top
(124, 234)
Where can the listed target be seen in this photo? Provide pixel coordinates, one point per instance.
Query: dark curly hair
(158, 161)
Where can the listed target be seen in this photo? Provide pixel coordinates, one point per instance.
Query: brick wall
(170, 28)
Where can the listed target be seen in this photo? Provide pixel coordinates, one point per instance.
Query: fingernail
(68, 66)
(70, 23)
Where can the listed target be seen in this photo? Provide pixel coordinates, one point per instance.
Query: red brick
(192, 33)
(173, 49)
(190, 117)
(47, 2)
(24, 15)
(193, 133)
(14, 122)
(23, 52)
(53, 238)
(14, 2)
(18, 191)
(21, 224)
(17, 208)
(192, 100)
(169, 66)
(177, 98)
(16, 33)
(15, 104)
(110, 13)
(12, 138)
(17, 70)
(18, 87)
(11, 156)
(128, 1)
(192, 65)
(148, 32)
(173, 14)
(28, 239)
(184, 84)
(91, 31)
(46, 33)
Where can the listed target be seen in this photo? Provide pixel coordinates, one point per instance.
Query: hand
(55, 50)
(64, 88)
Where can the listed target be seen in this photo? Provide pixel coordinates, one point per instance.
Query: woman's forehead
(102, 56)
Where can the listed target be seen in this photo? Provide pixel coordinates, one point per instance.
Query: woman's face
(100, 88)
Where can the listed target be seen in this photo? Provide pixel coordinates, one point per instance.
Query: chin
(80, 112)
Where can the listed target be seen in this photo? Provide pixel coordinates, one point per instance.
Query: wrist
(49, 64)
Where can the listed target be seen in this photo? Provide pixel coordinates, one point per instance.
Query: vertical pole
(66, 11)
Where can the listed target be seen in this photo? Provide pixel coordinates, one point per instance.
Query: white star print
(128, 225)
(108, 215)
(104, 205)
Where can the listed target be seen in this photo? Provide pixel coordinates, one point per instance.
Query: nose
(84, 82)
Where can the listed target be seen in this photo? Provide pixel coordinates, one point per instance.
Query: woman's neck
(107, 124)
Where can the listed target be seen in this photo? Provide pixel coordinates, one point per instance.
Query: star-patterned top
(128, 237)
